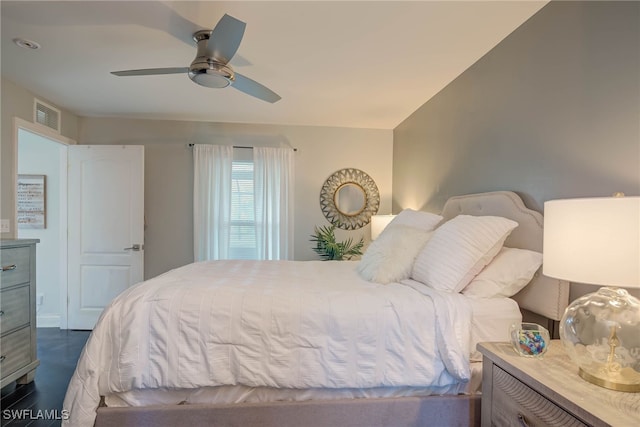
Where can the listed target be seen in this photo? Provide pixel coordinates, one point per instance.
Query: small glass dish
(529, 339)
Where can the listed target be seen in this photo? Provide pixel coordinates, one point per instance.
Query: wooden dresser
(18, 356)
(521, 391)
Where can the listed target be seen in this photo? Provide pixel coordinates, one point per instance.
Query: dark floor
(58, 351)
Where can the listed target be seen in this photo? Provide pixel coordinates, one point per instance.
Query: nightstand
(547, 391)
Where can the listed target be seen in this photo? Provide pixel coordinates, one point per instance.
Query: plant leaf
(328, 248)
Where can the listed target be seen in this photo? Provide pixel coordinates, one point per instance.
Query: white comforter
(271, 323)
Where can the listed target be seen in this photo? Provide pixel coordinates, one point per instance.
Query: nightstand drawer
(16, 351)
(15, 264)
(14, 308)
(515, 404)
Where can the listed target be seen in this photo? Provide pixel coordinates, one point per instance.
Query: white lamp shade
(379, 223)
(595, 240)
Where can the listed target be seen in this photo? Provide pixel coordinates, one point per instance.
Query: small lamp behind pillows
(597, 241)
(379, 223)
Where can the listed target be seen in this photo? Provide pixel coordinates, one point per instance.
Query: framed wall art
(32, 201)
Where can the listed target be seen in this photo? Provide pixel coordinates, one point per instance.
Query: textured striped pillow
(459, 249)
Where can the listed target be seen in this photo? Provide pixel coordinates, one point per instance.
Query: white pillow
(510, 271)
(459, 249)
(418, 219)
(390, 257)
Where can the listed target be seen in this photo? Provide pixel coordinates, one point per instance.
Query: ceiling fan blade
(253, 88)
(151, 71)
(225, 38)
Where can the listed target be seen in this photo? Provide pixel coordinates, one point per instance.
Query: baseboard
(48, 321)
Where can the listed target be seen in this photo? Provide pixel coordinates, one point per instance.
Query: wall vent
(46, 115)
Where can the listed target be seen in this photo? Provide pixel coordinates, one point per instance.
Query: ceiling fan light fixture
(211, 74)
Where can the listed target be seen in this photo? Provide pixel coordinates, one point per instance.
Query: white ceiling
(366, 64)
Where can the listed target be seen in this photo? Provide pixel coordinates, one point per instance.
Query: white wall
(169, 173)
(41, 156)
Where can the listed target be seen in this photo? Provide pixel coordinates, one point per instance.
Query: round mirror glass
(350, 199)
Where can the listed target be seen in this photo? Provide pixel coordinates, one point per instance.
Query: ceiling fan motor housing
(205, 70)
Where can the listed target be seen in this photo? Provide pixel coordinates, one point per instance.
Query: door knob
(134, 247)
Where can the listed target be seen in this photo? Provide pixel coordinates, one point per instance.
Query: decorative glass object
(597, 241)
(529, 339)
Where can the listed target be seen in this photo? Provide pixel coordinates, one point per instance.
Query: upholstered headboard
(543, 295)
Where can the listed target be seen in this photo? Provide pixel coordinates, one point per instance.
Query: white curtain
(273, 181)
(212, 166)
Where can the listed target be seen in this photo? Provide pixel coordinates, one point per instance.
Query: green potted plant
(329, 249)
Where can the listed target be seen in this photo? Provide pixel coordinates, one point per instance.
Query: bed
(309, 343)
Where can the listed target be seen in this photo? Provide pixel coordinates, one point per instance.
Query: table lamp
(597, 241)
(379, 223)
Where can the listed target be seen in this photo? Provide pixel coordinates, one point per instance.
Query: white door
(106, 227)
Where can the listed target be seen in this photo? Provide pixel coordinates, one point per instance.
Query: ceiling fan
(211, 66)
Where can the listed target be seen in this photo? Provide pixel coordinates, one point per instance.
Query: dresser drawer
(15, 349)
(515, 404)
(14, 308)
(15, 266)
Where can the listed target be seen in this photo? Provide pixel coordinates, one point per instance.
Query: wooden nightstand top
(556, 377)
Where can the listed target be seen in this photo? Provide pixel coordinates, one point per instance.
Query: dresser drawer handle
(9, 267)
(2, 358)
(1, 313)
(522, 420)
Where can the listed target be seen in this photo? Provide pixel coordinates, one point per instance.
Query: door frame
(45, 132)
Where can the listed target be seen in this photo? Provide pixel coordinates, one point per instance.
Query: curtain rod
(239, 146)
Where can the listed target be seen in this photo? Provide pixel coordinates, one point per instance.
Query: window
(242, 238)
(243, 203)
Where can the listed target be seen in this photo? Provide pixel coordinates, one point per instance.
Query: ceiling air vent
(46, 115)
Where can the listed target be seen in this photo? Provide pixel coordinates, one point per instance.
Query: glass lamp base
(601, 334)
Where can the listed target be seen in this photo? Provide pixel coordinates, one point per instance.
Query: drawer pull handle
(1, 313)
(2, 358)
(9, 267)
(522, 420)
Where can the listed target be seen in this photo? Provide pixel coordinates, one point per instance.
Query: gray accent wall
(553, 111)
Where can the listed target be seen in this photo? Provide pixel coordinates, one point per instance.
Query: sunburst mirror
(348, 199)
